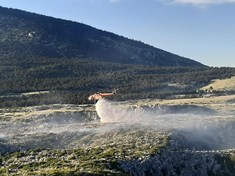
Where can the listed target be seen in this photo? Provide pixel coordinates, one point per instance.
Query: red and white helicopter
(98, 95)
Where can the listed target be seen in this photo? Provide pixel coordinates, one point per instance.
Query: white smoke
(110, 112)
(194, 125)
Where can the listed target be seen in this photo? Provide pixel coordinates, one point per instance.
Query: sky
(202, 30)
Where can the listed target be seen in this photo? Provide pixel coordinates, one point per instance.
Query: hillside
(70, 60)
(186, 137)
(28, 35)
(158, 122)
(221, 85)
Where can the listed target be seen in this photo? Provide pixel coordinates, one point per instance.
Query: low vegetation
(102, 159)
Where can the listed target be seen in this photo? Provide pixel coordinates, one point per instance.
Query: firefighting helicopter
(98, 95)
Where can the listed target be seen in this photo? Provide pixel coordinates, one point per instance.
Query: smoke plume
(194, 126)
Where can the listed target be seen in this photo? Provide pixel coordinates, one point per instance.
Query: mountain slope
(26, 35)
(221, 85)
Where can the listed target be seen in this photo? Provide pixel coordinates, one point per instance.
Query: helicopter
(98, 95)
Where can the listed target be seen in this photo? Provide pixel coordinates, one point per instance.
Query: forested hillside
(72, 80)
(26, 35)
(70, 60)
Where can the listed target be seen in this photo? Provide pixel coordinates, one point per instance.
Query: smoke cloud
(189, 126)
(196, 127)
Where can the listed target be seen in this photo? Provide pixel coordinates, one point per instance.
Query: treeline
(54, 97)
(72, 80)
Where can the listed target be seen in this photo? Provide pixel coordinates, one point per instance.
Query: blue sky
(203, 30)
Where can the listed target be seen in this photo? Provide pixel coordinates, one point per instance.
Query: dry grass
(35, 93)
(219, 103)
(189, 101)
(34, 111)
(221, 85)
